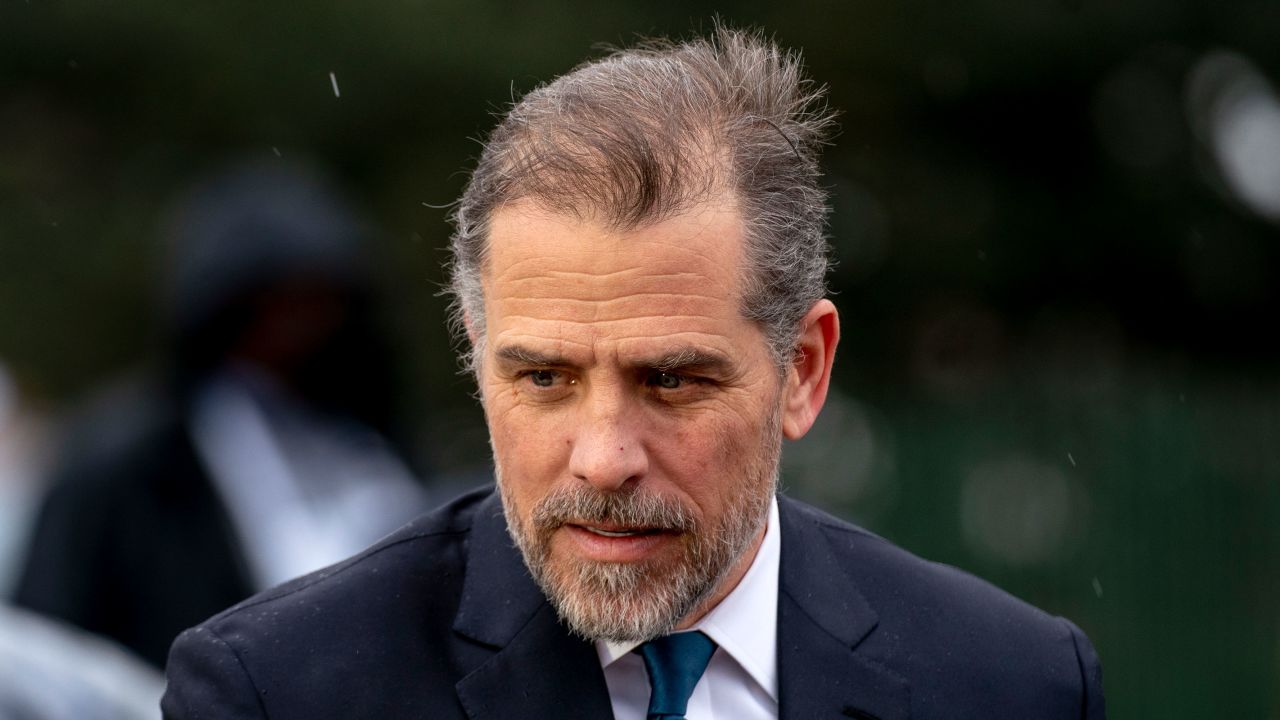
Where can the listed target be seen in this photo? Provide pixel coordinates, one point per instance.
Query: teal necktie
(675, 662)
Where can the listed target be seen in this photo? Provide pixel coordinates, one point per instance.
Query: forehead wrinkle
(702, 242)
(549, 267)
(581, 291)
(676, 300)
(646, 270)
(605, 321)
(549, 301)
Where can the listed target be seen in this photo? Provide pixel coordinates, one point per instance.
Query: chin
(625, 602)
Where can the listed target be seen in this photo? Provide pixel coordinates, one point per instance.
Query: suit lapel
(822, 619)
(537, 669)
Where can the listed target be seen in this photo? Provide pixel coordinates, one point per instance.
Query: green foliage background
(1060, 359)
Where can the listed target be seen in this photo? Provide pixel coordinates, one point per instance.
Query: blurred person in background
(23, 445)
(50, 670)
(262, 453)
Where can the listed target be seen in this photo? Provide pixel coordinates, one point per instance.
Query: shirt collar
(745, 623)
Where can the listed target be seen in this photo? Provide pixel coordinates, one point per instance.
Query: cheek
(736, 433)
(531, 452)
(712, 448)
(706, 457)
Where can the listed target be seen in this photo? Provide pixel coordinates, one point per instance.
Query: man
(639, 267)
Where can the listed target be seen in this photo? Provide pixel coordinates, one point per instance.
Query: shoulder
(887, 574)
(946, 631)
(364, 617)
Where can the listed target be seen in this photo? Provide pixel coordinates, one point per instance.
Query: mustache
(631, 508)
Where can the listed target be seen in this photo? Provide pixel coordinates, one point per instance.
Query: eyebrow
(685, 359)
(688, 359)
(524, 356)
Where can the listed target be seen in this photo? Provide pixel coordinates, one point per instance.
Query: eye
(666, 380)
(543, 378)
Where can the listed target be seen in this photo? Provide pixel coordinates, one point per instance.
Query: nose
(608, 449)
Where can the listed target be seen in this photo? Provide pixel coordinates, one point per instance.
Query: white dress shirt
(741, 682)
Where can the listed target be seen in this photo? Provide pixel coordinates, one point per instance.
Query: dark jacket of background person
(442, 620)
(267, 294)
(132, 541)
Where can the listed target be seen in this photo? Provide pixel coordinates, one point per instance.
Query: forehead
(577, 283)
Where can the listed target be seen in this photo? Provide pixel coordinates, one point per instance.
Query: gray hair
(651, 131)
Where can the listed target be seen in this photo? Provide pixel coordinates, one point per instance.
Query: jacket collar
(822, 619)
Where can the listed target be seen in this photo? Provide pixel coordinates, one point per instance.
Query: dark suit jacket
(441, 620)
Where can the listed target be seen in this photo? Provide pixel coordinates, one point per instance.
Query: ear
(810, 373)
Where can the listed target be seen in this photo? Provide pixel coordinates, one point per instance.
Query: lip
(609, 545)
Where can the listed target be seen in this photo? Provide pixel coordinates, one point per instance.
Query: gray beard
(636, 602)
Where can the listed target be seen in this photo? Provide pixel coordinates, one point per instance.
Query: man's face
(634, 413)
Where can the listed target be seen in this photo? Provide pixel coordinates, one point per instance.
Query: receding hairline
(601, 215)
(701, 172)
